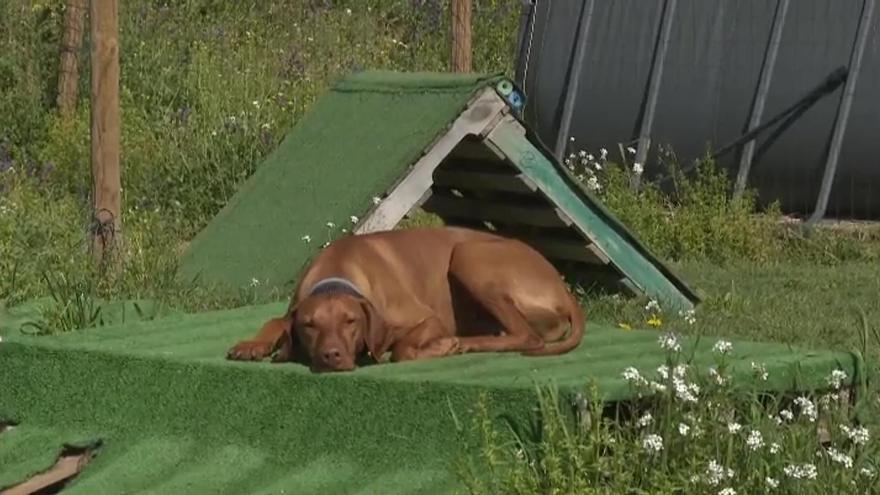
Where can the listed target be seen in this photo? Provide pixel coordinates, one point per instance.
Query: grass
(793, 302)
(209, 88)
(686, 436)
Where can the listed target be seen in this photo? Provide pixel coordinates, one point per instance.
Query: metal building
(787, 93)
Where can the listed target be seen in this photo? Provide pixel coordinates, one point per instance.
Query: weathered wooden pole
(461, 35)
(68, 67)
(105, 137)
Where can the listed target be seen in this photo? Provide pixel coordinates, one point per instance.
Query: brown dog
(420, 293)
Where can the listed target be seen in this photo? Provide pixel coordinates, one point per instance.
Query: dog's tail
(577, 320)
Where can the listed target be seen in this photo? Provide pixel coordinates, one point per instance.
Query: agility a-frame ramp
(379, 146)
(154, 406)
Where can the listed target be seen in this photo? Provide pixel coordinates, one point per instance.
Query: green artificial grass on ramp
(176, 417)
(354, 143)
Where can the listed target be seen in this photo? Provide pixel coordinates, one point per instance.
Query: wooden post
(68, 67)
(461, 35)
(106, 180)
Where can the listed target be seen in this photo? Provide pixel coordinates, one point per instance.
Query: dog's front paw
(249, 350)
(446, 346)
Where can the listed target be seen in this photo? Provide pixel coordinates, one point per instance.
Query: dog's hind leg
(475, 265)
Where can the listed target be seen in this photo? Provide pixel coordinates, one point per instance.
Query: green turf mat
(354, 143)
(176, 417)
(26, 450)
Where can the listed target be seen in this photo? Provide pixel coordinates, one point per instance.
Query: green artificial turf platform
(173, 416)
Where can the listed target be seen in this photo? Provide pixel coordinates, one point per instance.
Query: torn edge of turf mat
(70, 462)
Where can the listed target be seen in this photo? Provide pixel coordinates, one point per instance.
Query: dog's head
(335, 329)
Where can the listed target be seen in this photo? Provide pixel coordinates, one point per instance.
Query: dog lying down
(420, 293)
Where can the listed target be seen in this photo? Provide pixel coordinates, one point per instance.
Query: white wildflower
(840, 458)
(330, 225)
(582, 154)
(760, 370)
(755, 440)
(733, 427)
(632, 151)
(669, 342)
(593, 184)
(686, 391)
(836, 379)
(727, 491)
(348, 11)
(786, 415)
(858, 435)
(633, 376)
(722, 347)
(867, 472)
(808, 409)
(771, 482)
(827, 400)
(695, 479)
(677, 372)
(658, 387)
(603, 153)
(718, 377)
(256, 104)
(653, 306)
(255, 282)
(652, 443)
(376, 200)
(306, 238)
(353, 219)
(690, 316)
(683, 429)
(775, 448)
(801, 471)
(716, 473)
(571, 138)
(638, 168)
(645, 420)
(590, 158)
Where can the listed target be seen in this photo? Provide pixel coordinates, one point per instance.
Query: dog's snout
(332, 356)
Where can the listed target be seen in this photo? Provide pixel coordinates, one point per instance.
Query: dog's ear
(376, 337)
